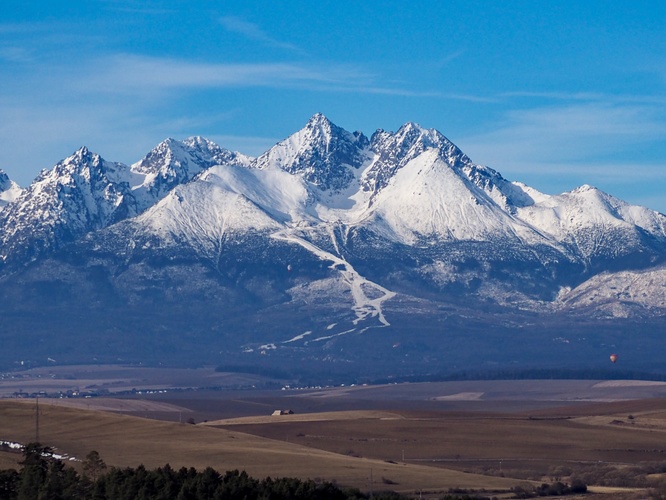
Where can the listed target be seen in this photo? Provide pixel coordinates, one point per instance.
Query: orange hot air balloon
(613, 357)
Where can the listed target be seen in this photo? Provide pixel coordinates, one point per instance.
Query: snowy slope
(84, 193)
(429, 199)
(81, 193)
(594, 223)
(622, 294)
(225, 200)
(412, 187)
(285, 196)
(394, 150)
(410, 200)
(172, 163)
(328, 249)
(202, 216)
(9, 190)
(321, 153)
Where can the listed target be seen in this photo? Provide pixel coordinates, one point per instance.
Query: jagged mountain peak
(79, 153)
(197, 142)
(584, 188)
(331, 132)
(593, 198)
(166, 153)
(412, 131)
(324, 154)
(79, 194)
(185, 158)
(9, 190)
(319, 120)
(590, 196)
(81, 166)
(326, 236)
(5, 181)
(81, 156)
(85, 162)
(409, 135)
(174, 162)
(394, 150)
(324, 128)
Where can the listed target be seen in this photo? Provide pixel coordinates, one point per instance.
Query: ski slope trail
(364, 307)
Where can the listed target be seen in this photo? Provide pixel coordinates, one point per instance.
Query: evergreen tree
(62, 483)
(9, 481)
(93, 466)
(35, 470)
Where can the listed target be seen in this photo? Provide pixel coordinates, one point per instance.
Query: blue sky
(551, 93)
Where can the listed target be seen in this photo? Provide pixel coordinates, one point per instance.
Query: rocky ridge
(356, 234)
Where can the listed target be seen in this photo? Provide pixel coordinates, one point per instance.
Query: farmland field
(428, 437)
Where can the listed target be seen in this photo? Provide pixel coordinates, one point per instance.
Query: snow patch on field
(461, 396)
(627, 383)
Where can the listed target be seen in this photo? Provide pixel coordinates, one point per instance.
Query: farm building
(282, 412)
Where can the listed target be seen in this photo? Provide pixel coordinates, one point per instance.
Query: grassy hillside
(451, 437)
(129, 441)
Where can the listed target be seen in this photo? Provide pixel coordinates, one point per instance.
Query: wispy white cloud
(130, 73)
(40, 136)
(404, 91)
(360, 87)
(566, 133)
(612, 172)
(447, 58)
(46, 42)
(560, 96)
(248, 145)
(655, 202)
(154, 7)
(22, 28)
(588, 97)
(16, 54)
(253, 32)
(142, 74)
(557, 148)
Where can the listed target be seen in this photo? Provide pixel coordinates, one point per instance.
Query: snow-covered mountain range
(353, 234)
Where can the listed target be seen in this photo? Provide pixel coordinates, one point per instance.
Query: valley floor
(430, 437)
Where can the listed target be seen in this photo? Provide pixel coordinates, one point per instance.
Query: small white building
(282, 412)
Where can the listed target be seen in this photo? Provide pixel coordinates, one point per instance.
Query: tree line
(44, 477)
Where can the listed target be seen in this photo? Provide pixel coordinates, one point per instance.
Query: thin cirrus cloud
(151, 73)
(248, 145)
(568, 133)
(252, 31)
(556, 148)
(22, 28)
(148, 76)
(15, 54)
